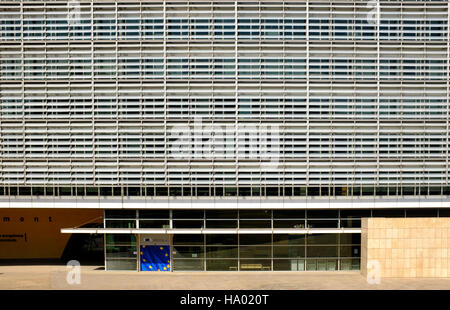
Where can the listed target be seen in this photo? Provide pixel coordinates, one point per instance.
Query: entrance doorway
(154, 253)
(155, 257)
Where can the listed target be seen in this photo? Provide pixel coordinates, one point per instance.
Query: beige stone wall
(407, 247)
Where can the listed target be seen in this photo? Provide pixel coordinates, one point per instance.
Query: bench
(251, 266)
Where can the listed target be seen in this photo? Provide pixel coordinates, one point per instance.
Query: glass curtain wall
(120, 252)
(266, 252)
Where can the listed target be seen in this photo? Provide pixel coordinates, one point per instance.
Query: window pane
(154, 214)
(222, 239)
(221, 224)
(255, 239)
(279, 239)
(188, 264)
(255, 252)
(121, 264)
(120, 239)
(255, 224)
(154, 224)
(289, 251)
(298, 224)
(322, 251)
(322, 239)
(188, 252)
(222, 264)
(120, 214)
(221, 252)
(289, 264)
(187, 239)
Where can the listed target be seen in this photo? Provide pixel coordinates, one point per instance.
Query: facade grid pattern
(94, 101)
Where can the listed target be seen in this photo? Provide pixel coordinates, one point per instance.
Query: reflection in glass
(222, 264)
(289, 251)
(350, 251)
(188, 223)
(279, 239)
(188, 264)
(222, 239)
(255, 239)
(221, 224)
(322, 239)
(120, 223)
(221, 252)
(255, 224)
(154, 224)
(120, 251)
(289, 223)
(188, 251)
(188, 239)
(322, 251)
(120, 239)
(289, 264)
(121, 264)
(322, 223)
(255, 252)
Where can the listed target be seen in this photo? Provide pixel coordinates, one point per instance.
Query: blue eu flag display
(155, 258)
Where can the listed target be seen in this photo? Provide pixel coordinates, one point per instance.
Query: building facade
(229, 135)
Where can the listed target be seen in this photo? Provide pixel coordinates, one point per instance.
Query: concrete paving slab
(48, 277)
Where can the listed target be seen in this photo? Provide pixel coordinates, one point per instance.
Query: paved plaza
(94, 277)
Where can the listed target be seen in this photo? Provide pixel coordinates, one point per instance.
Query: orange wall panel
(36, 233)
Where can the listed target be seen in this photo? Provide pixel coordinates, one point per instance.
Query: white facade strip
(208, 231)
(320, 203)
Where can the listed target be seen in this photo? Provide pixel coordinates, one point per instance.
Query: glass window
(289, 224)
(255, 239)
(221, 252)
(154, 214)
(188, 252)
(221, 214)
(188, 264)
(188, 223)
(188, 239)
(120, 214)
(255, 251)
(255, 224)
(350, 251)
(285, 239)
(421, 212)
(120, 223)
(221, 224)
(187, 214)
(154, 224)
(289, 214)
(120, 251)
(321, 251)
(219, 239)
(120, 239)
(288, 251)
(322, 239)
(289, 264)
(388, 213)
(121, 264)
(255, 214)
(222, 264)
